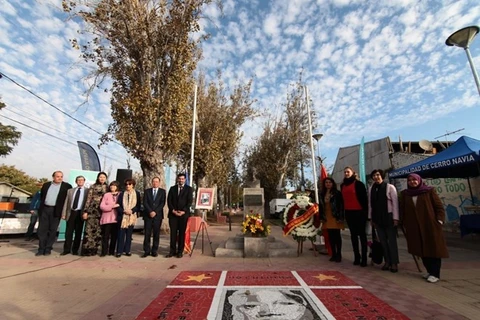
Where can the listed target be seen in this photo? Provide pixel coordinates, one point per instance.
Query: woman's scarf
(422, 187)
(379, 202)
(348, 181)
(129, 202)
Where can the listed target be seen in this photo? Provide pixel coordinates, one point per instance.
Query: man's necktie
(76, 199)
(154, 193)
(180, 189)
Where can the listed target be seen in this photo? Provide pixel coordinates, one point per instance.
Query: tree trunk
(283, 171)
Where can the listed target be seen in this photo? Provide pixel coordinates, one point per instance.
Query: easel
(203, 228)
(300, 248)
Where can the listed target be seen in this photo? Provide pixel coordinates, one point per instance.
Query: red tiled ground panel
(266, 295)
(325, 278)
(346, 304)
(191, 303)
(252, 278)
(197, 278)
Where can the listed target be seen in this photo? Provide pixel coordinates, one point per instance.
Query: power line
(43, 124)
(53, 136)
(50, 104)
(46, 124)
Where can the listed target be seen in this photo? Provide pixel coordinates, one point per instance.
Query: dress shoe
(39, 253)
(363, 263)
(338, 259)
(145, 255)
(332, 259)
(154, 254)
(179, 255)
(169, 255)
(47, 253)
(64, 253)
(385, 267)
(103, 255)
(118, 255)
(75, 253)
(128, 254)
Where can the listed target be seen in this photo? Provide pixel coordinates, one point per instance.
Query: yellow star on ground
(322, 277)
(198, 278)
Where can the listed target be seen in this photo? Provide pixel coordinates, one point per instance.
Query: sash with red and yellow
(298, 221)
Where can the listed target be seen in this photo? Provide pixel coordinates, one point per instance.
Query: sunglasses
(128, 184)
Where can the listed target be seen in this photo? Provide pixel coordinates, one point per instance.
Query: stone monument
(253, 201)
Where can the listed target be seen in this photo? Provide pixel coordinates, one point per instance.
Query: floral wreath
(301, 219)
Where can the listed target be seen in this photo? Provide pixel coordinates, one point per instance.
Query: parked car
(277, 206)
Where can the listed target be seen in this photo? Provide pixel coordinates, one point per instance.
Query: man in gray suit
(72, 213)
(52, 199)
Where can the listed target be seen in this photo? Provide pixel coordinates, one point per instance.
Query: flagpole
(192, 152)
(311, 144)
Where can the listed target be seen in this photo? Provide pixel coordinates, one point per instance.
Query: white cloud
(372, 68)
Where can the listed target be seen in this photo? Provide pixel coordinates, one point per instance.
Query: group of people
(103, 217)
(418, 209)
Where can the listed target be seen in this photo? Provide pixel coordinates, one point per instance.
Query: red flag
(187, 248)
(323, 173)
(327, 242)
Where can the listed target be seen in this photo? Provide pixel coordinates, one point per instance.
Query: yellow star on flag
(198, 278)
(322, 277)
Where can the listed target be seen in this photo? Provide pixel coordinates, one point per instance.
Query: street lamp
(318, 136)
(462, 38)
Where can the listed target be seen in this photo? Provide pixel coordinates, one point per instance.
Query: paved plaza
(73, 287)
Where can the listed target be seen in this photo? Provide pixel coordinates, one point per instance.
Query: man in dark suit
(72, 213)
(153, 203)
(179, 200)
(53, 195)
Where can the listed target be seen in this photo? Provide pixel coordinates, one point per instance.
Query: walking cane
(413, 256)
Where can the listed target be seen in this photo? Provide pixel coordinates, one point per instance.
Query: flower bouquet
(255, 226)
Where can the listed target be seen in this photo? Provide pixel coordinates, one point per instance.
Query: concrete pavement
(73, 287)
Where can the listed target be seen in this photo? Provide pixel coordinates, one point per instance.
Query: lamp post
(462, 38)
(317, 137)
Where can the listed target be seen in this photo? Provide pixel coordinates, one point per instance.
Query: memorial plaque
(253, 200)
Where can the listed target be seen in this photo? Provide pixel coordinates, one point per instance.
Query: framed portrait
(205, 198)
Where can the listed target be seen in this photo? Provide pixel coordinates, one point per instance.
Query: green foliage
(218, 133)
(9, 136)
(19, 178)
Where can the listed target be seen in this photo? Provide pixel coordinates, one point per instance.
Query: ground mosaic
(266, 295)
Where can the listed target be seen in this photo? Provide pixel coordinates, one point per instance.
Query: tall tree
(9, 136)
(147, 49)
(282, 147)
(218, 130)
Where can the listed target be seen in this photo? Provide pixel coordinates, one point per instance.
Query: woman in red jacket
(355, 201)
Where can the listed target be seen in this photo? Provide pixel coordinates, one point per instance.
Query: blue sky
(373, 69)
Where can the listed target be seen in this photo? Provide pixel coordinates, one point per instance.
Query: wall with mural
(455, 196)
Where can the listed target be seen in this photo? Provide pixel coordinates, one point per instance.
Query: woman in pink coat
(108, 221)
